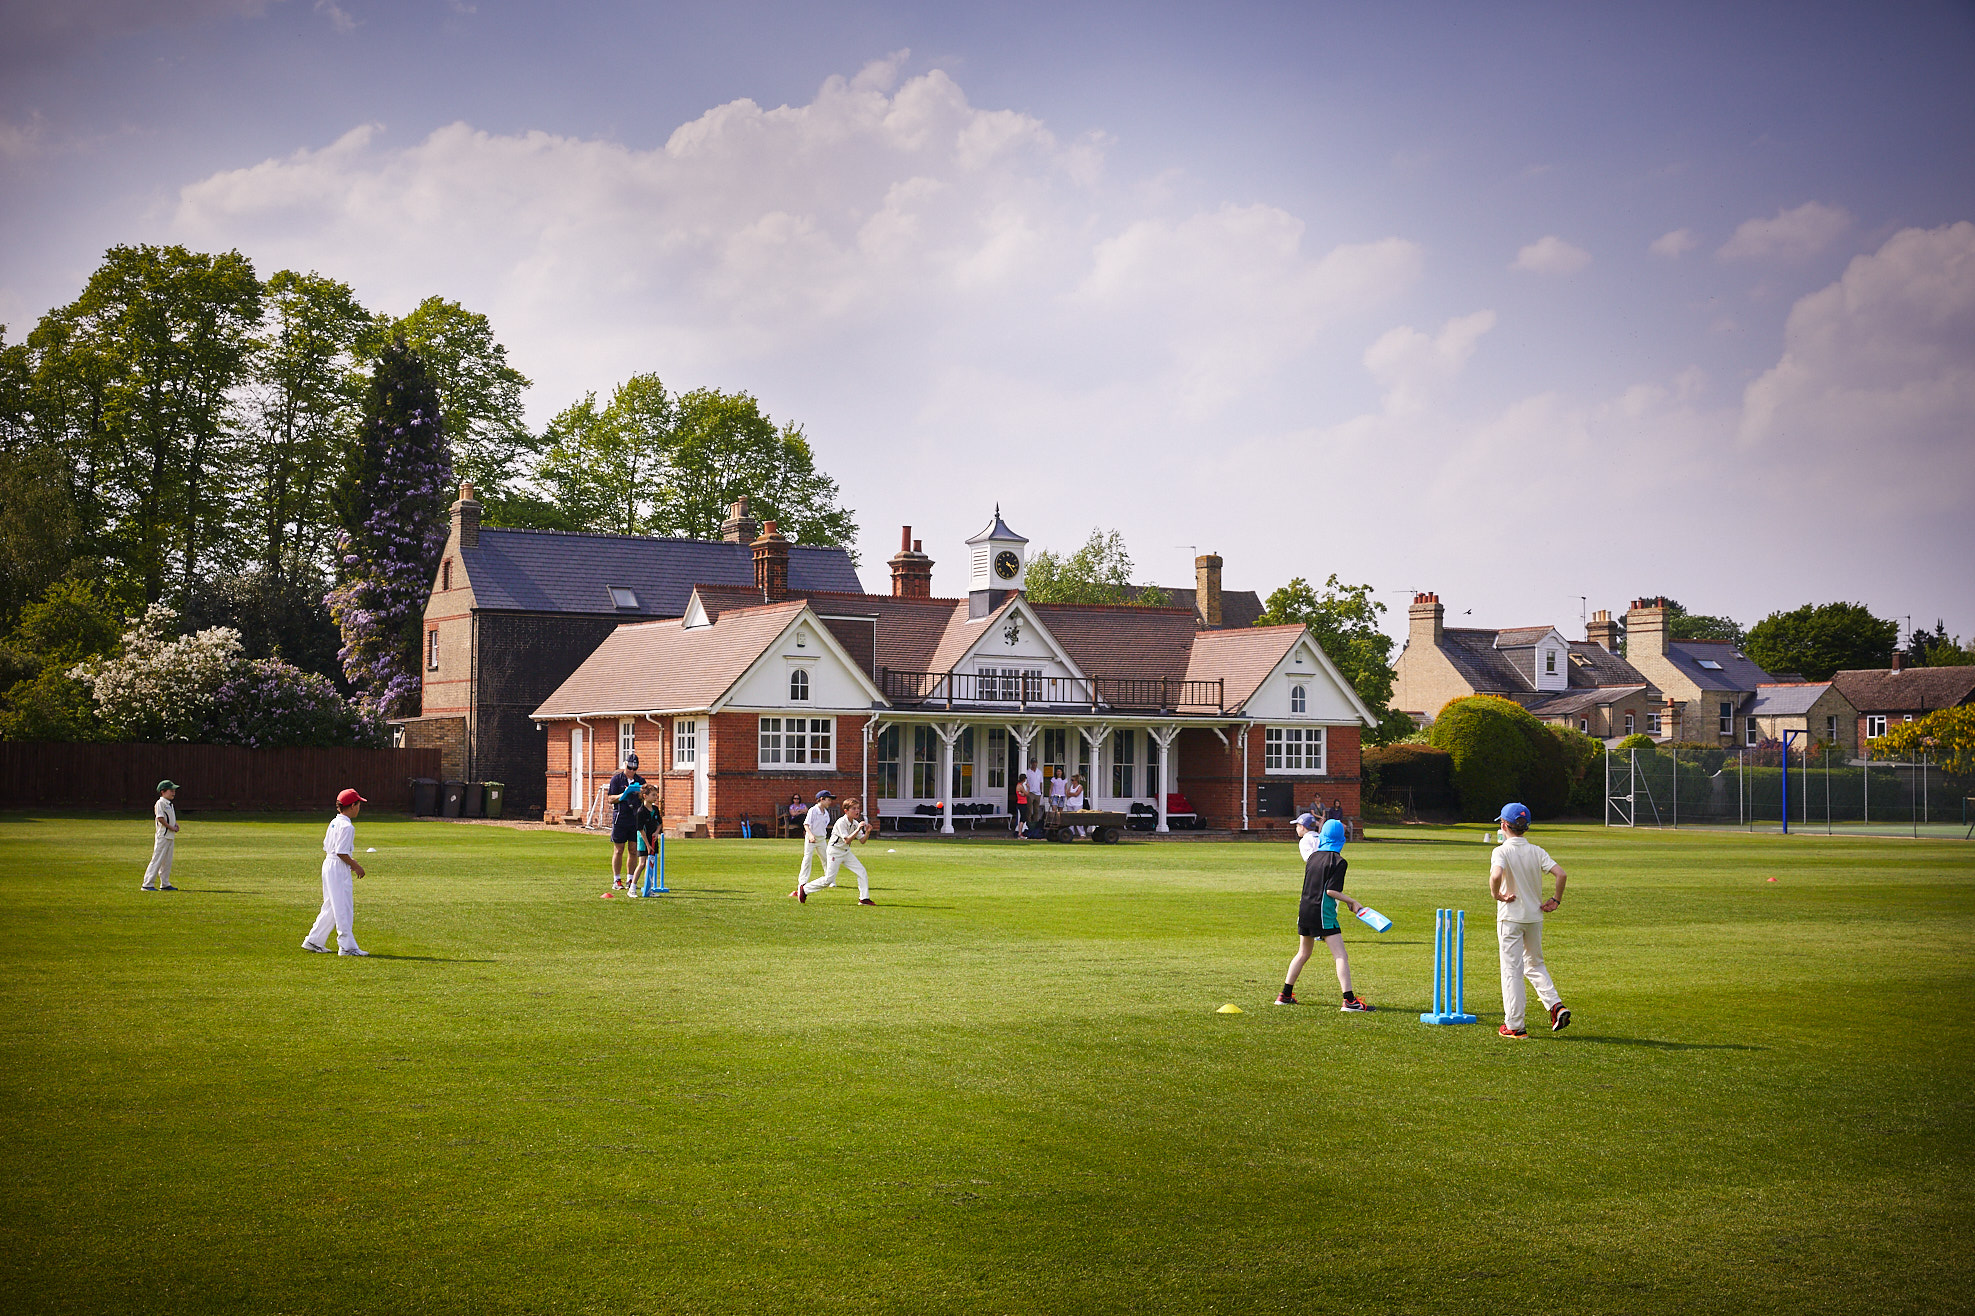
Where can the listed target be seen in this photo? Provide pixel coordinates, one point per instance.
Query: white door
(577, 776)
(701, 752)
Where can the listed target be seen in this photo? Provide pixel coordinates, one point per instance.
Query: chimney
(911, 569)
(1602, 631)
(1426, 620)
(771, 564)
(1899, 661)
(739, 527)
(1645, 628)
(1207, 591)
(466, 519)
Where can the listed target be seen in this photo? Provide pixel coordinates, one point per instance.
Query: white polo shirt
(1525, 865)
(341, 838)
(842, 834)
(817, 822)
(167, 817)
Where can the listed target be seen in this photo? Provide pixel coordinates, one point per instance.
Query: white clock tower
(998, 561)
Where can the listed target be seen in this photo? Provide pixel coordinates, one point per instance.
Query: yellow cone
(1229, 1008)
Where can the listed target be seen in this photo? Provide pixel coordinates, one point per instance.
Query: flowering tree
(391, 506)
(269, 703)
(163, 685)
(1946, 735)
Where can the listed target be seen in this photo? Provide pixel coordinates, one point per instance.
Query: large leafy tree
(725, 448)
(479, 397)
(1936, 648)
(1684, 625)
(605, 467)
(1099, 572)
(391, 506)
(39, 528)
(1818, 640)
(1344, 619)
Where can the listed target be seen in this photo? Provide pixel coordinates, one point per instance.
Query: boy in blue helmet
(1322, 847)
(1515, 879)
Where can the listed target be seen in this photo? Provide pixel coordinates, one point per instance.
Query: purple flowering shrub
(268, 703)
(392, 507)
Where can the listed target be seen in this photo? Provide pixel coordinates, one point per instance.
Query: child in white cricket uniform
(848, 829)
(166, 814)
(1515, 879)
(339, 866)
(815, 836)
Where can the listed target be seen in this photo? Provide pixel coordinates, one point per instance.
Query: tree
(71, 622)
(1936, 648)
(1946, 736)
(276, 617)
(479, 399)
(39, 528)
(724, 449)
(1819, 640)
(1100, 572)
(1344, 619)
(301, 406)
(605, 467)
(391, 506)
(1684, 625)
(162, 685)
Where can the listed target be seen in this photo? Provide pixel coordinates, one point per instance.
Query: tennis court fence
(1651, 788)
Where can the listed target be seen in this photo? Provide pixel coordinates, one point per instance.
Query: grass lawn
(1005, 1089)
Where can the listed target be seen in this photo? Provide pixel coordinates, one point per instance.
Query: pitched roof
(1909, 690)
(1600, 666)
(1123, 640)
(911, 632)
(1792, 699)
(1241, 659)
(1735, 671)
(1568, 703)
(1484, 667)
(552, 571)
(1239, 607)
(656, 665)
(1516, 637)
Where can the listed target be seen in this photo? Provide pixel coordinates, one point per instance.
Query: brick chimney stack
(1645, 628)
(466, 518)
(1899, 661)
(771, 564)
(1207, 591)
(739, 527)
(1602, 631)
(911, 569)
(1426, 621)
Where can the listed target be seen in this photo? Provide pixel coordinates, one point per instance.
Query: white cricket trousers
(842, 859)
(1522, 957)
(159, 873)
(338, 907)
(808, 854)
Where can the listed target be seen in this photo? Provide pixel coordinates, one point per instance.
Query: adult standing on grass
(1324, 865)
(627, 798)
(815, 837)
(1515, 879)
(166, 814)
(339, 868)
(847, 831)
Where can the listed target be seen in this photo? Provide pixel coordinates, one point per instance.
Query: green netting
(1647, 788)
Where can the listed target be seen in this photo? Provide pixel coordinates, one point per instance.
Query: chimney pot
(771, 564)
(739, 527)
(1426, 620)
(466, 518)
(1899, 661)
(911, 570)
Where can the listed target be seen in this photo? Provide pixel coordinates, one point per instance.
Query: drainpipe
(1241, 739)
(864, 776)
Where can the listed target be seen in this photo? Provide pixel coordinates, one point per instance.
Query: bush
(1499, 753)
(1708, 758)
(1584, 759)
(269, 703)
(1410, 776)
(1637, 740)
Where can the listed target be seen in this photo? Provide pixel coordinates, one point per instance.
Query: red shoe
(1357, 1005)
(802, 894)
(1286, 998)
(1559, 1017)
(867, 901)
(1521, 1034)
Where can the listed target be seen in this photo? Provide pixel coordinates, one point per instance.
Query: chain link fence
(1651, 788)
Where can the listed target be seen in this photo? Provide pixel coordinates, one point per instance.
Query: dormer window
(1579, 660)
(623, 599)
(1549, 662)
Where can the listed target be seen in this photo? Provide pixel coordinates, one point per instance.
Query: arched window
(799, 684)
(1297, 700)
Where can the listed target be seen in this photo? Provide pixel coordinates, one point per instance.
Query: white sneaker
(310, 945)
(354, 950)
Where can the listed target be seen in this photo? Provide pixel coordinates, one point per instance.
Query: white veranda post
(948, 732)
(1094, 736)
(1164, 737)
(1023, 736)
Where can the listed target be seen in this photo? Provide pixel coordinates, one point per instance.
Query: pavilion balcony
(1029, 691)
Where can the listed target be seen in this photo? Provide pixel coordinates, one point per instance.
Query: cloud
(33, 32)
(1791, 235)
(1550, 255)
(339, 17)
(1675, 244)
(1412, 367)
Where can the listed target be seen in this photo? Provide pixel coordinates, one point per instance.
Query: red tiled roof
(1909, 690)
(649, 666)
(1241, 659)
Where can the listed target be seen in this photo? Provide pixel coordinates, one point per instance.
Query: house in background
(513, 613)
(930, 707)
(1582, 684)
(1816, 708)
(1885, 696)
(1708, 685)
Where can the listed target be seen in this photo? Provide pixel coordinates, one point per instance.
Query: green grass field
(1006, 1089)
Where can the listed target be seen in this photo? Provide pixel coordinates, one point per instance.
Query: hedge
(1500, 752)
(1417, 776)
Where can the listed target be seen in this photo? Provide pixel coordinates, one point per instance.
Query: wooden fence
(125, 777)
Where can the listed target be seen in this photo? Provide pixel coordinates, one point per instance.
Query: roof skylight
(621, 597)
(1709, 663)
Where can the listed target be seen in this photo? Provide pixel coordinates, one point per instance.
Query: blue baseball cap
(826, 795)
(1307, 821)
(1516, 815)
(1333, 836)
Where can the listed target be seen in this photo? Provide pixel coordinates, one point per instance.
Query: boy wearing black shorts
(1324, 866)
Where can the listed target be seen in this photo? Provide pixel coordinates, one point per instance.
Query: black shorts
(623, 833)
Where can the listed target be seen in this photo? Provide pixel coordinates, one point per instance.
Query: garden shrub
(1500, 752)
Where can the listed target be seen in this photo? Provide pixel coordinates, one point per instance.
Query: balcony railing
(1023, 690)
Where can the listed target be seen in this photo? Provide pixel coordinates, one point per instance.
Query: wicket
(655, 871)
(1450, 935)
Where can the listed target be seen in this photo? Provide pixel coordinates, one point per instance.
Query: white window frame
(1584, 725)
(1751, 733)
(685, 743)
(1295, 751)
(1124, 770)
(1653, 726)
(1299, 699)
(889, 744)
(1831, 727)
(997, 759)
(795, 744)
(1549, 662)
(627, 738)
(1629, 724)
(1875, 725)
(431, 649)
(1727, 718)
(798, 685)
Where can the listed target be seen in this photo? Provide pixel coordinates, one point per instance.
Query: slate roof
(1240, 608)
(1737, 672)
(1483, 666)
(1573, 702)
(1910, 690)
(1787, 700)
(657, 665)
(1601, 667)
(552, 571)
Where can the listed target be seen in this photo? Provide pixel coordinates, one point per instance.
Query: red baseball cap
(350, 797)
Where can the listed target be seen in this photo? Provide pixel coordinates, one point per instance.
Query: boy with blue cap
(1322, 847)
(1515, 879)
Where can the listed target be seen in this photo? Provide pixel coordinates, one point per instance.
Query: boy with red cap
(339, 867)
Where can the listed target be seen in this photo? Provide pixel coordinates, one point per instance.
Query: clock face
(1006, 564)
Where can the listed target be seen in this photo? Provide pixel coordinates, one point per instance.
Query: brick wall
(445, 734)
(737, 785)
(1210, 778)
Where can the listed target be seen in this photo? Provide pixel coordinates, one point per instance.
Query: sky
(1540, 307)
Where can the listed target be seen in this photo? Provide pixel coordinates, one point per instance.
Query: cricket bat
(1374, 920)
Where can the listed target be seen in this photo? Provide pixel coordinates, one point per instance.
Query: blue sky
(1519, 304)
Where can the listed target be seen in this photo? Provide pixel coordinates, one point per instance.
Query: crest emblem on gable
(1012, 633)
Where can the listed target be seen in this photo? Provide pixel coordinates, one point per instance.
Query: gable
(1327, 696)
(1015, 636)
(831, 676)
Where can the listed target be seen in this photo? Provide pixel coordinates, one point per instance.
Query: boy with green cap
(166, 815)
